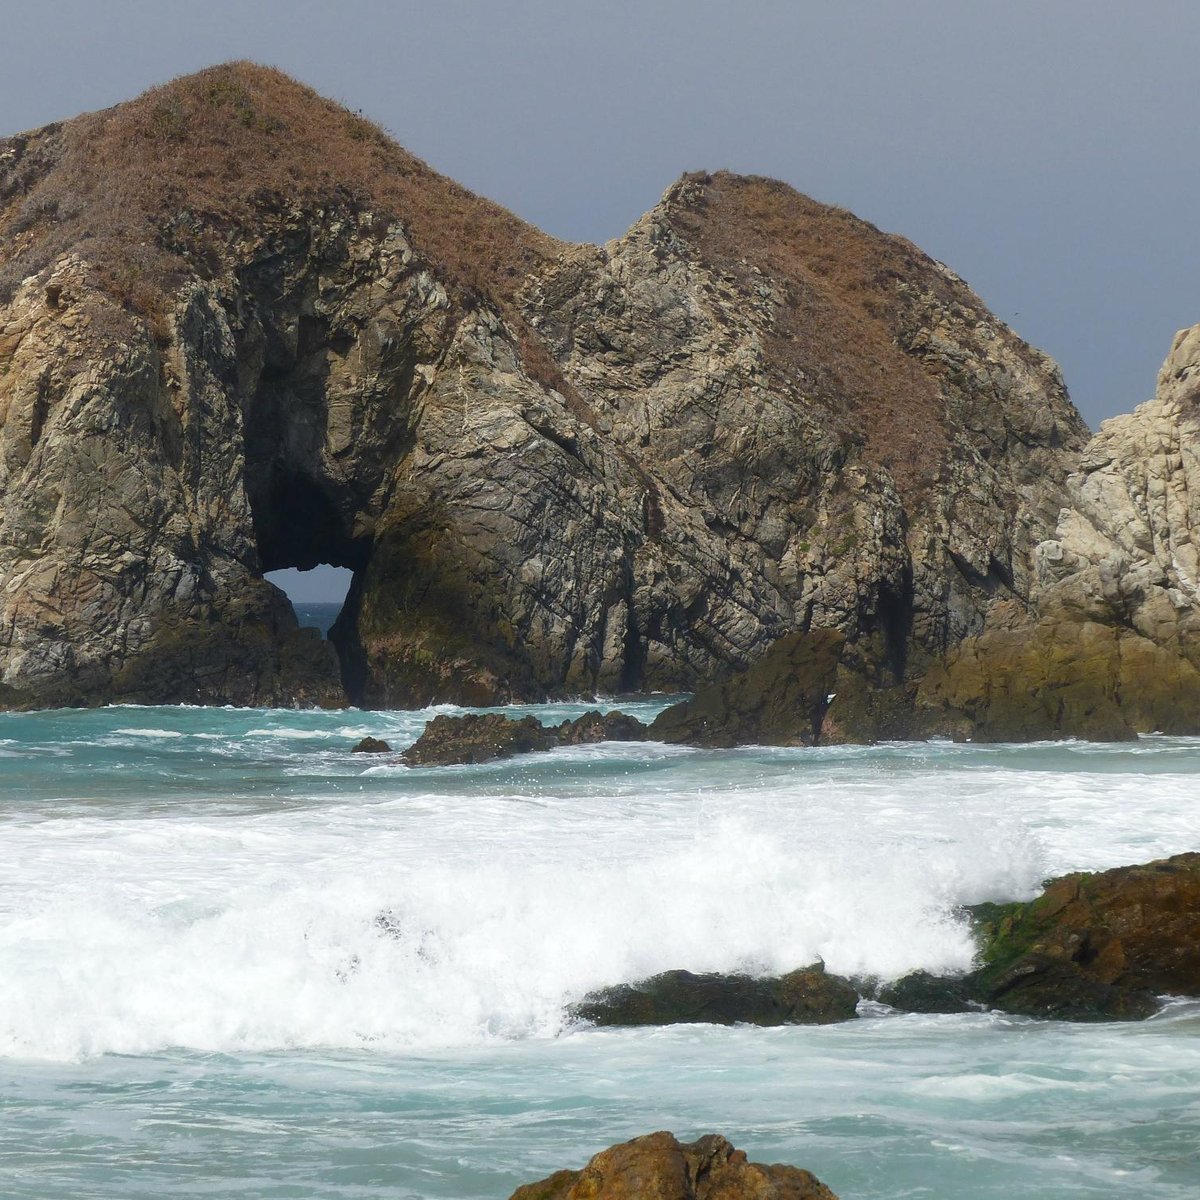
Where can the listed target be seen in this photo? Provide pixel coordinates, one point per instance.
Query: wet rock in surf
(596, 726)
(780, 700)
(372, 745)
(476, 738)
(921, 992)
(809, 996)
(659, 1167)
(482, 737)
(1095, 946)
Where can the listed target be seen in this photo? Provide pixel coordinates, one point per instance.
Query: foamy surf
(269, 929)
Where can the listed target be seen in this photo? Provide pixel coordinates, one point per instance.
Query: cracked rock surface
(264, 336)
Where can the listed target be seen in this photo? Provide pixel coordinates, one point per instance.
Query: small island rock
(372, 745)
(660, 1167)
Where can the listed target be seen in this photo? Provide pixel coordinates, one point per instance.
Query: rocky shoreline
(1092, 947)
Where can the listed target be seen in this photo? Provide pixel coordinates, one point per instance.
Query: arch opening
(307, 547)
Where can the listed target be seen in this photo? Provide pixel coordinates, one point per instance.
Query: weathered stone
(658, 1167)
(1095, 946)
(601, 727)
(480, 738)
(477, 738)
(808, 996)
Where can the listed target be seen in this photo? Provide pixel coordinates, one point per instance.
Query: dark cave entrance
(304, 524)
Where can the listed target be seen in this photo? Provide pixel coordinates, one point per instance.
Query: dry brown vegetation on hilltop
(147, 189)
(837, 332)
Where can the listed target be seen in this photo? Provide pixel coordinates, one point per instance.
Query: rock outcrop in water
(482, 737)
(241, 330)
(659, 1167)
(808, 996)
(1092, 947)
(1095, 946)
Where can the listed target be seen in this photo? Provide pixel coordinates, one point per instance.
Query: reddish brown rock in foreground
(659, 1167)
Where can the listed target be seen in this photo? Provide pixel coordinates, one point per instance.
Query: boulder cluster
(660, 1167)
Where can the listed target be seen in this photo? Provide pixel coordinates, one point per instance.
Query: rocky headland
(241, 329)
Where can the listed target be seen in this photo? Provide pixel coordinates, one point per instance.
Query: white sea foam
(454, 908)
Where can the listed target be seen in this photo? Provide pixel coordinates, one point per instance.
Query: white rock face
(1127, 550)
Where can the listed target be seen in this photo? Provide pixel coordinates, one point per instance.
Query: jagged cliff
(240, 329)
(1109, 646)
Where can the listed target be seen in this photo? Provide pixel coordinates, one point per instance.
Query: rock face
(658, 1167)
(807, 996)
(241, 330)
(1110, 647)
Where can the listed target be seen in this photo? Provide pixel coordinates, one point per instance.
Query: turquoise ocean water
(237, 961)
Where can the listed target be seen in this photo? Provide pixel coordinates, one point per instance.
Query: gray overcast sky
(1049, 151)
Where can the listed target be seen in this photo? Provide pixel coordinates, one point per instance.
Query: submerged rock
(808, 996)
(372, 745)
(482, 737)
(659, 1167)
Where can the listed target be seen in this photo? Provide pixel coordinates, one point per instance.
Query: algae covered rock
(808, 996)
(1061, 678)
(780, 700)
(659, 1167)
(1095, 946)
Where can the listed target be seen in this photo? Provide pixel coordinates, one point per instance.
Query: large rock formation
(659, 1167)
(241, 330)
(1110, 647)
